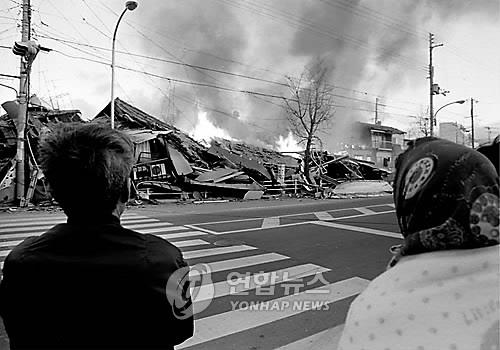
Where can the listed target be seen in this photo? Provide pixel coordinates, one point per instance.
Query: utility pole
(376, 110)
(23, 105)
(472, 120)
(489, 132)
(431, 82)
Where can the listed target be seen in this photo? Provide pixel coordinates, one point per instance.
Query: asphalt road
(282, 274)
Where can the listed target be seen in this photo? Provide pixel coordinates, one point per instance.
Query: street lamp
(451, 103)
(10, 87)
(129, 5)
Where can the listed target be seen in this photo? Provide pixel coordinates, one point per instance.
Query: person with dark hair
(441, 288)
(90, 283)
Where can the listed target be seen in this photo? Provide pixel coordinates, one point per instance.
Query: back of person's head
(87, 167)
(446, 197)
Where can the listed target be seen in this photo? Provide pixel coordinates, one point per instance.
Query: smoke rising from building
(364, 50)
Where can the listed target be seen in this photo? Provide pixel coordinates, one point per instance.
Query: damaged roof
(130, 117)
(259, 154)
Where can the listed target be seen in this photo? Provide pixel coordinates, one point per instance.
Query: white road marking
(359, 229)
(55, 222)
(23, 229)
(162, 229)
(169, 228)
(233, 264)
(216, 251)
(146, 225)
(29, 218)
(231, 322)
(181, 234)
(270, 222)
(193, 227)
(327, 339)
(281, 216)
(323, 215)
(190, 243)
(9, 243)
(300, 223)
(179, 244)
(364, 210)
(250, 282)
(21, 235)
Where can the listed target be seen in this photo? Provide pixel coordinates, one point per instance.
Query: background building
(454, 132)
(376, 143)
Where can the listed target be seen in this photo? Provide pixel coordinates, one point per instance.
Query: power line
(171, 62)
(267, 70)
(269, 11)
(179, 80)
(204, 68)
(369, 13)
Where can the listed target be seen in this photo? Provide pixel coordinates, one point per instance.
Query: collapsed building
(40, 120)
(171, 164)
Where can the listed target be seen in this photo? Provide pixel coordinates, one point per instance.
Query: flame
(288, 144)
(205, 131)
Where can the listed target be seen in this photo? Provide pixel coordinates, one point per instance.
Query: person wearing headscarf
(441, 288)
(492, 152)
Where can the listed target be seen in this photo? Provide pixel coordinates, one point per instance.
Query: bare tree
(421, 126)
(310, 107)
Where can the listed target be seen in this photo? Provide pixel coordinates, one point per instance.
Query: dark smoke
(361, 53)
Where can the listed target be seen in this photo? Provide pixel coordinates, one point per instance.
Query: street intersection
(276, 277)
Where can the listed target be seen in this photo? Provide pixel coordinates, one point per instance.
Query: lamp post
(451, 103)
(129, 5)
(10, 87)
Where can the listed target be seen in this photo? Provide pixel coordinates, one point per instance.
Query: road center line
(296, 223)
(359, 229)
(280, 216)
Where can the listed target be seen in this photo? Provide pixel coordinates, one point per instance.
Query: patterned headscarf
(446, 197)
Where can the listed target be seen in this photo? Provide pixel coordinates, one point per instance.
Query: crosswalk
(252, 295)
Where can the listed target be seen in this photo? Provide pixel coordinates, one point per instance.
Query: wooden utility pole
(376, 110)
(472, 120)
(23, 106)
(431, 82)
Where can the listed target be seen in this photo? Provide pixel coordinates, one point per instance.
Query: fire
(205, 131)
(288, 144)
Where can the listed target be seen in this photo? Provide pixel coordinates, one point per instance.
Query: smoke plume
(375, 46)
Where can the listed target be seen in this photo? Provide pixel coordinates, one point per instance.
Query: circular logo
(190, 290)
(484, 216)
(417, 176)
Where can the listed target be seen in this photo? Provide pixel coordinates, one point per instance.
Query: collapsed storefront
(170, 164)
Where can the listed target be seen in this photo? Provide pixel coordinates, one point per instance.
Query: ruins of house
(171, 164)
(40, 120)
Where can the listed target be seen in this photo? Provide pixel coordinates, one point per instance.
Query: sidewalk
(174, 208)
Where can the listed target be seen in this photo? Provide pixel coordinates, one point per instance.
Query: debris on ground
(172, 166)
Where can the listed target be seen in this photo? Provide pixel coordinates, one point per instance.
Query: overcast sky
(374, 48)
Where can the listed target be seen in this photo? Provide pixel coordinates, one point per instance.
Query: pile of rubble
(170, 164)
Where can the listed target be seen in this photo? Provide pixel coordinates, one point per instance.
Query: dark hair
(87, 167)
